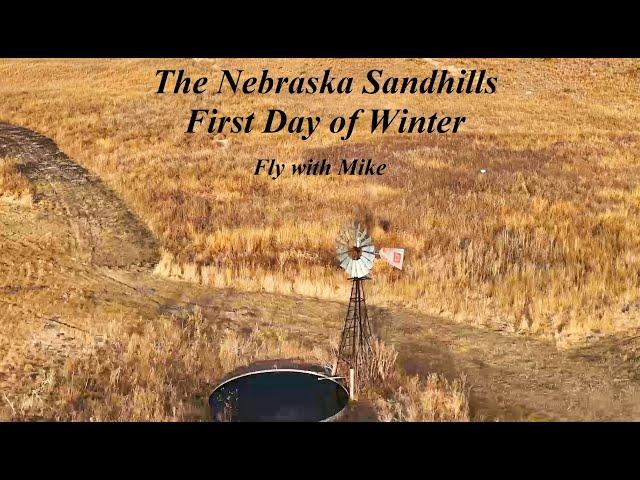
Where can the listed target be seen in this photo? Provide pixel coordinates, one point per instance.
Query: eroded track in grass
(105, 232)
(67, 261)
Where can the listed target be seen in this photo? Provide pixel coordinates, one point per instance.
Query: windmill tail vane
(356, 254)
(393, 256)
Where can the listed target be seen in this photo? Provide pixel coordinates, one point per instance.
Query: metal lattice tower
(355, 341)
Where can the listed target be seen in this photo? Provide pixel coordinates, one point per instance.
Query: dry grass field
(544, 244)
(78, 343)
(87, 333)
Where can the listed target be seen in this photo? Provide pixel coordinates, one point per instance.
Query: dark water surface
(278, 396)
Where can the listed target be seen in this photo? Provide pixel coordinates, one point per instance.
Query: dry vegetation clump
(412, 399)
(397, 396)
(544, 242)
(153, 371)
(165, 371)
(13, 184)
(383, 361)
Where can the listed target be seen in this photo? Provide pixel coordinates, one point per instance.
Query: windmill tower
(356, 254)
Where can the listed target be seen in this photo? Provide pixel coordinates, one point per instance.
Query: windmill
(356, 254)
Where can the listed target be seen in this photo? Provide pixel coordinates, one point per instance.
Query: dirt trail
(104, 231)
(515, 377)
(74, 251)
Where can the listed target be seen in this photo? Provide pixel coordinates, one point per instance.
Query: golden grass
(13, 184)
(411, 399)
(166, 369)
(545, 242)
(75, 345)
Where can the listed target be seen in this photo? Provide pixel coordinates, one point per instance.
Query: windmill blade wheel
(355, 251)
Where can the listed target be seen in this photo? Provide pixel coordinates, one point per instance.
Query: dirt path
(104, 231)
(68, 260)
(515, 377)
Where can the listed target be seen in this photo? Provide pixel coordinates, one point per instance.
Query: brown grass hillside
(545, 242)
